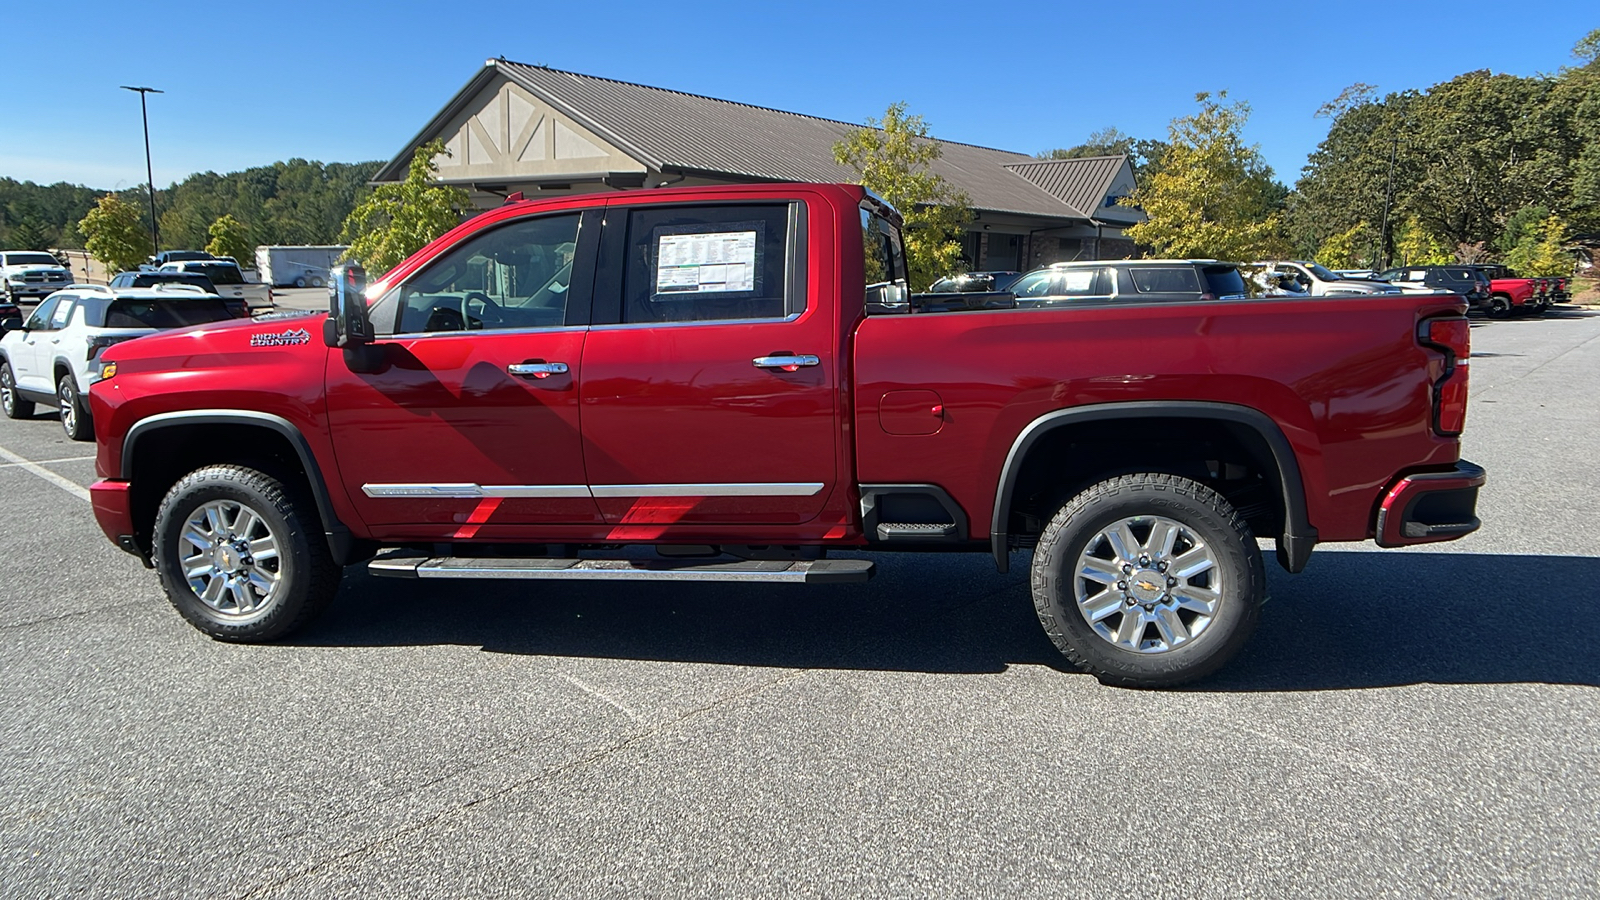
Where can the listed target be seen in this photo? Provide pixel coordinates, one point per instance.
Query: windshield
(31, 259)
(166, 313)
(219, 273)
(1324, 274)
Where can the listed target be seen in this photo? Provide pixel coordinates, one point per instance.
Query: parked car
(178, 281)
(31, 275)
(1509, 294)
(10, 313)
(975, 283)
(1139, 280)
(227, 280)
(171, 256)
(1463, 280)
(54, 356)
(742, 414)
(151, 279)
(1312, 279)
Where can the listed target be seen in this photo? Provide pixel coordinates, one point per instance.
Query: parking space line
(70, 487)
(46, 462)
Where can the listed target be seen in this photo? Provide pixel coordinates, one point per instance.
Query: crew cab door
(472, 422)
(710, 392)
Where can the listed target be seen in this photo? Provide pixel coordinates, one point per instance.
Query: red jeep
(730, 383)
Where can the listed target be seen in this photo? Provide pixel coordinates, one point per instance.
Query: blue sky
(247, 84)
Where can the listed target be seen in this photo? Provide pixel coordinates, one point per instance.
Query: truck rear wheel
(1499, 306)
(74, 412)
(1148, 581)
(11, 402)
(241, 554)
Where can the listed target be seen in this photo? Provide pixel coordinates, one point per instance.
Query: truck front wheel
(1148, 580)
(240, 554)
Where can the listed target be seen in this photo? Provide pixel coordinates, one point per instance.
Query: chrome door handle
(788, 363)
(537, 369)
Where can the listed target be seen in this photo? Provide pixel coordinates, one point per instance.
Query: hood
(1362, 286)
(285, 330)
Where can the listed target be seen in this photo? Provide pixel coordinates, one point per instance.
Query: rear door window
(62, 313)
(714, 263)
(1165, 279)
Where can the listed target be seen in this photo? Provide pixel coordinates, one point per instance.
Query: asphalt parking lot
(1404, 723)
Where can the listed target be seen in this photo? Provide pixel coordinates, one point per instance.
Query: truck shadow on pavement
(1360, 619)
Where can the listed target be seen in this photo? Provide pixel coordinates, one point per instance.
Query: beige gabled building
(542, 131)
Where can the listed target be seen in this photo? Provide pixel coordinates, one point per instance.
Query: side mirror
(347, 325)
(10, 323)
(889, 296)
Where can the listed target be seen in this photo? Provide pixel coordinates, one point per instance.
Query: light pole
(155, 232)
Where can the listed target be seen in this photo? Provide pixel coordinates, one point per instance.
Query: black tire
(316, 281)
(1197, 509)
(74, 412)
(307, 577)
(1499, 306)
(11, 402)
(300, 282)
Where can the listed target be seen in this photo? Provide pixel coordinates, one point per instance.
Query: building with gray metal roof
(542, 131)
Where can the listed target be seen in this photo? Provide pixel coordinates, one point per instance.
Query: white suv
(54, 356)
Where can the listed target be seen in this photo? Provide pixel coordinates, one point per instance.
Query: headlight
(17, 277)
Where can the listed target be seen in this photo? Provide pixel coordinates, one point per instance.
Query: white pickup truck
(1306, 278)
(228, 280)
(30, 275)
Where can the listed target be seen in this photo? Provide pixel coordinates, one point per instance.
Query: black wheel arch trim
(340, 541)
(1294, 545)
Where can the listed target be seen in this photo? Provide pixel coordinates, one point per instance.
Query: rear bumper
(113, 509)
(1430, 506)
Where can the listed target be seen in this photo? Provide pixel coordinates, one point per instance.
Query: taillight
(1452, 337)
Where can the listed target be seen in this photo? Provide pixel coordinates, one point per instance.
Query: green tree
(1415, 245)
(29, 234)
(1214, 195)
(396, 220)
(1542, 251)
(115, 235)
(231, 237)
(893, 159)
(1143, 155)
(1347, 249)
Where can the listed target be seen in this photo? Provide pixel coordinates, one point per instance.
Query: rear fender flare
(1294, 545)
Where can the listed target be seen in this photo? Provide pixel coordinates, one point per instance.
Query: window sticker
(714, 262)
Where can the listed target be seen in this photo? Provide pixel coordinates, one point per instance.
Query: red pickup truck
(730, 383)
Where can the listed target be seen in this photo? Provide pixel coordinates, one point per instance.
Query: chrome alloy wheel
(232, 561)
(8, 393)
(1148, 584)
(69, 406)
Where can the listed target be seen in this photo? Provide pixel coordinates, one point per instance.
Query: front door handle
(788, 362)
(537, 369)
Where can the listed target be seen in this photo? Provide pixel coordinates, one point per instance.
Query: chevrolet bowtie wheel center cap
(1147, 585)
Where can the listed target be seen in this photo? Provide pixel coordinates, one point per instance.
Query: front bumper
(38, 290)
(1428, 507)
(113, 509)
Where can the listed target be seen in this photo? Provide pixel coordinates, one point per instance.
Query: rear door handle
(537, 369)
(787, 362)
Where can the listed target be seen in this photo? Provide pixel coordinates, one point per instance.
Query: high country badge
(281, 338)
